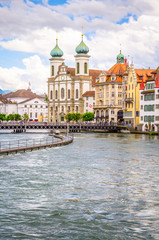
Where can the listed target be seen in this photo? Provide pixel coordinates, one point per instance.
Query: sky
(29, 28)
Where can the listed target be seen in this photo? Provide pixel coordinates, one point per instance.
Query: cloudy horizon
(29, 29)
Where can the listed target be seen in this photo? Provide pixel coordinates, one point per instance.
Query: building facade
(108, 93)
(149, 103)
(66, 86)
(89, 101)
(130, 94)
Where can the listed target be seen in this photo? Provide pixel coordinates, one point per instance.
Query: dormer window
(113, 78)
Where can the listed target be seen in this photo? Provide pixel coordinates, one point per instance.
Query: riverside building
(130, 94)
(108, 92)
(66, 86)
(149, 103)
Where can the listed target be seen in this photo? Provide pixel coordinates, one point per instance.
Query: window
(119, 95)
(62, 93)
(36, 106)
(52, 70)
(76, 108)
(87, 104)
(68, 108)
(119, 102)
(107, 94)
(41, 106)
(157, 118)
(69, 93)
(113, 86)
(94, 104)
(112, 94)
(36, 115)
(141, 107)
(157, 106)
(85, 68)
(56, 94)
(62, 108)
(31, 115)
(157, 96)
(30, 106)
(78, 68)
(76, 93)
(86, 98)
(25, 106)
(93, 98)
(141, 97)
(112, 112)
(141, 118)
(51, 94)
(132, 86)
(56, 109)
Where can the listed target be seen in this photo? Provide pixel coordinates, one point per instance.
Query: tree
(10, 117)
(25, 117)
(17, 117)
(3, 116)
(69, 117)
(76, 116)
(88, 116)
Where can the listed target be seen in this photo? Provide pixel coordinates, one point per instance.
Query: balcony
(100, 106)
(129, 100)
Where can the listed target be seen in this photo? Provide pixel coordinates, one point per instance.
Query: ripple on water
(102, 186)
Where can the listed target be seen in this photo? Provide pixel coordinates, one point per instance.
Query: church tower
(56, 59)
(82, 59)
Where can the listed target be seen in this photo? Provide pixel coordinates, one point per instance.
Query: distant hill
(4, 91)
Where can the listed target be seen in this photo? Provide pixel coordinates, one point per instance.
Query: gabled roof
(22, 93)
(92, 72)
(145, 73)
(117, 69)
(4, 100)
(29, 100)
(89, 94)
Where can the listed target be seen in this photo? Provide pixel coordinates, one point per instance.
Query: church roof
(22, 93)
(82, 48)
(94, 73)
(89, 94)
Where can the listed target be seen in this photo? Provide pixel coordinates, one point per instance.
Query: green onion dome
(82, 48)
(56, 52)
(120, 58)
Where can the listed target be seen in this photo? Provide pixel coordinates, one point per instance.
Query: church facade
(67, 85)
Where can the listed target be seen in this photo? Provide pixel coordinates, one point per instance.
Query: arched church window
(76, 93)
(51, 94)
(56, 94)
(62, 93)
(69, 93)
(78, 65)
(52, 70)
(85, 67)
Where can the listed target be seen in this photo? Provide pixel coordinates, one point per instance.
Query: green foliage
(14, 117)
(76, 116)
(89, 116)
(17, 117)
(25, 117)
(46, 99)
(152, 133)
(69, 117)
(3, 117)
(73, 117)
(10, 117)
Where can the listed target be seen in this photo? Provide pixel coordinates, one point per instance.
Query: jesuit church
(66, 86)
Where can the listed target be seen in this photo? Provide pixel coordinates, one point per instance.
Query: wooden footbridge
(76, 127)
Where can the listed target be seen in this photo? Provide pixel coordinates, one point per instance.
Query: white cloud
(32, 28)
(34, 72)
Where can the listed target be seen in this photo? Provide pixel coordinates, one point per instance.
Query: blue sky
(29, 29)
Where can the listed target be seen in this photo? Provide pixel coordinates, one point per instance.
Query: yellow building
(131, 93)
(108, 93)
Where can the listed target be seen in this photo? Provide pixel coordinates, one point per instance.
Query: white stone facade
(149, 107)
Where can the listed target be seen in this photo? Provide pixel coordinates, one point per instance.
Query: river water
(102, 186)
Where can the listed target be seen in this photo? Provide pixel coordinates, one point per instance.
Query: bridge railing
(24, 143)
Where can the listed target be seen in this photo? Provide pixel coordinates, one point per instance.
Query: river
(102, 186)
